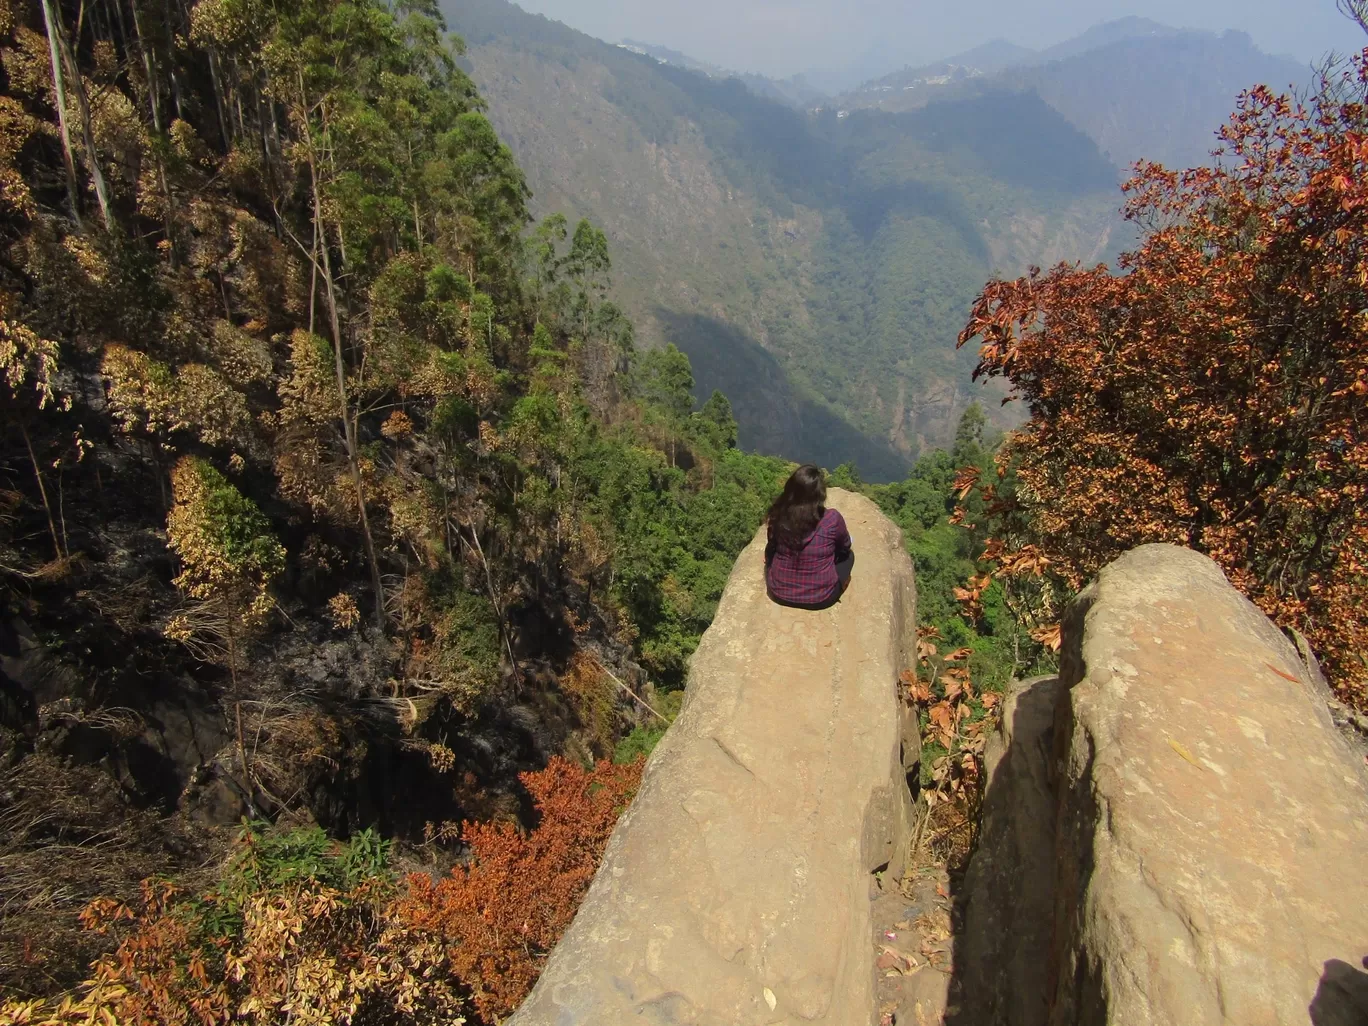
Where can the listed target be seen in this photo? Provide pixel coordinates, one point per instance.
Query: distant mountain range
(1139, 89)
(795, 90)
(814, 257)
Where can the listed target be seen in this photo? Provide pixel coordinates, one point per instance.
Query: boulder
(736, 888)
(1206, 824)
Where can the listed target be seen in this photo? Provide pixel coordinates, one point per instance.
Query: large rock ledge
(1174, 831)
(735, 889)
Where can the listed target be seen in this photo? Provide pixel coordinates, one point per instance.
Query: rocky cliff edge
(735, 889)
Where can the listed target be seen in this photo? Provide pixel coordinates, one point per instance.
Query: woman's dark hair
(799, 508)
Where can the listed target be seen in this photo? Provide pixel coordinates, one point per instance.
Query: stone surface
(736, 889)
(1174, 831)
(1212, 823)
(914, 945)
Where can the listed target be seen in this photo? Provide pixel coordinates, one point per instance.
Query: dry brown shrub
(503, 912)
(313, 937)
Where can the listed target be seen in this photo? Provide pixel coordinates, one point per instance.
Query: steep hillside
(1140, 90)
(330, 494)
(814, 268)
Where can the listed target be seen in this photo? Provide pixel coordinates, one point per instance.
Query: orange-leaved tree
(1214, 393)
(505, 909)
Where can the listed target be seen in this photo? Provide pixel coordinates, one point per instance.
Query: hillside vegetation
(334, 494)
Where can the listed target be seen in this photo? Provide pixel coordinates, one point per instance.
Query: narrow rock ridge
(735, 889)
(1174, 831)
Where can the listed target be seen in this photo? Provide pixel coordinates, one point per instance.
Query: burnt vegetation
(335, 495)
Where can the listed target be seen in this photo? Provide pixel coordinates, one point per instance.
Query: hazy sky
(780, 37)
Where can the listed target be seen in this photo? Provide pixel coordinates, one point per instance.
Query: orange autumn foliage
(503, 912)
(1215, 392)
(318, 939)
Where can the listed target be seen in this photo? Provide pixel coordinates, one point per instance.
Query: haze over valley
(816, 256)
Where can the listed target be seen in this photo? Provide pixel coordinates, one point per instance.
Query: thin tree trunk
(59, 90)
(42, 490)
(220, 103)
(153, 92)
(313, 280)
(177, 97)
(154, 103)
(87, 133)
(417, 216)
(339, 368)
(498, 609)
(237, 100)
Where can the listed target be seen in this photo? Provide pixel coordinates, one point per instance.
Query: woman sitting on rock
(808, 559)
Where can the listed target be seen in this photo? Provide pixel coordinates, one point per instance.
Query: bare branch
(1355, 10)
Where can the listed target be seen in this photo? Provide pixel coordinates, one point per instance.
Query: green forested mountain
(815, 268)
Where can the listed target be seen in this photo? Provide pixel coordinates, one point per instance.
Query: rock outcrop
(735, 889)
(1174, 832)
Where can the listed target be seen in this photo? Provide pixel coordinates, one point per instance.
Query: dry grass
(68, 835)
(951, 830)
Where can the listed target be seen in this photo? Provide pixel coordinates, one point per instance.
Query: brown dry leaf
(943, 716)
(1284, 676)
(1050, 637)
(1184, 753)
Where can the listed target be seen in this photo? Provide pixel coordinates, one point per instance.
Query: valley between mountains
(816, 262)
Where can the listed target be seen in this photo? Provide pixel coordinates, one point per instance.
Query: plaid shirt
(807, 576)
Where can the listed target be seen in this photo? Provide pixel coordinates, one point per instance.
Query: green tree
(665, 380)
(968, 448)
(587, 266)
(717, 415)
(229, 558)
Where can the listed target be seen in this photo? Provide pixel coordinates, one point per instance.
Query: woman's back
(806, 574)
